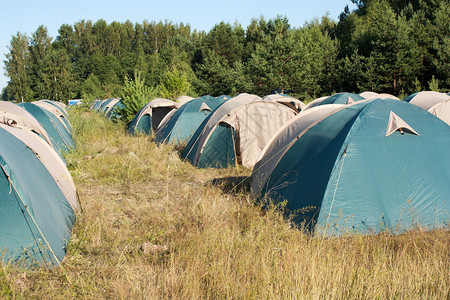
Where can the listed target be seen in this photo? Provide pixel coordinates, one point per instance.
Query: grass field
(154, 227)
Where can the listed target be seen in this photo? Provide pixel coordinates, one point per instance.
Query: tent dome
(151, 115)
(426, 99)
(241, 134)
(370, 166)
(186, 119)
(36, 218)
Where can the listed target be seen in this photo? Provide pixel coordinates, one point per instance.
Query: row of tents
(38, 196)
(345, 163)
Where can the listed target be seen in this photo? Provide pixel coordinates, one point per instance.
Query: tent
(113, 112)
(183, 99)
(341, 98)
(59, 135)
(109, 105)
(54, 164)
(426, 99)
(104, 106)
(75, 102)
(368, 167)
(186, 119)
(151, 115)
(223, 97)
(36, 218)
(280, 142)
(315, 102)
(373, 95)
(97, 104)
(58, 113)
(14, 115)
(442, 110)
(57, 104)
(289, 101)
(198, 139)
(241, 134)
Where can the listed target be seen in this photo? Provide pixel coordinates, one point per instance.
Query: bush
(135, 94)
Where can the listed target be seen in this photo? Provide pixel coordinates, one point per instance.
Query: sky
(25, 16)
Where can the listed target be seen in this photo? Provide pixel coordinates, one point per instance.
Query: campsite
(269, 160)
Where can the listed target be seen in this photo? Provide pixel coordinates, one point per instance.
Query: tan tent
(242, 133)
(15, 116)
(151, 115)
(442, 110)
(314, 103)
(368, 94)
(184, 99)
(50, 159)
(373, 95)
(280, 141)
(195, 145)
(291, 102)
(426, 99)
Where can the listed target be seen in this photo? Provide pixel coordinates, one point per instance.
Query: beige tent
(280, 141)
(245, 131)
(151, 115)
(15, 116)
(50, 159)
(314, 103)
(195, 146)
(368, 94)
(373, 95)
(426, 99)
(184, 99)
(291, 102)
(159, 108)
(442, 110)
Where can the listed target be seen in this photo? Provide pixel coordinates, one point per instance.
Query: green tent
(36, 219)
(151, 115)
(56, 110)
(186, 119)
(196, 142)
(341, 98)
(367, 167)
(106, 104)
(58, 133)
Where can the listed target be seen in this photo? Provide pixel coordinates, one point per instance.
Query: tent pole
(235, 152)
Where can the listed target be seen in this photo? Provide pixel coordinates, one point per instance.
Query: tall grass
(154, 227)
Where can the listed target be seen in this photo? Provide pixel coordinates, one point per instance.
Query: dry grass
(154, 227)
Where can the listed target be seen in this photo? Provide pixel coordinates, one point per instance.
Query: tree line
(394, 46)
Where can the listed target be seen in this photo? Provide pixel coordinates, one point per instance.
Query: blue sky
(26, 15)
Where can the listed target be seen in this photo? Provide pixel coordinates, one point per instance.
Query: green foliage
(433, 84)
(389, 46)
(174, 84)
(17, 67)
(135, 94)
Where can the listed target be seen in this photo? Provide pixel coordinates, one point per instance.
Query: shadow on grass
(233, 184)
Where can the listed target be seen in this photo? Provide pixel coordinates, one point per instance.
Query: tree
(174, 84)
(17, 67)
(40, 45)
(135, 94)
(275, 59)
(56, 80)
